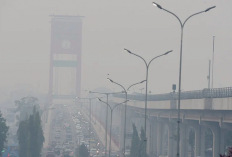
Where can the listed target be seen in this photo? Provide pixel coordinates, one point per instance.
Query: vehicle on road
(114, 154)
(127, 152)
(93, 152)
(68, 152)
(50, 154)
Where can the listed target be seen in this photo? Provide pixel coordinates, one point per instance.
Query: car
(58, 143)
(78, 132)
(57, 137)
(50, 154)
(93, 152)
(71, 144)
(127, 152)
(68, 139)
(68, 131)
(78, 127)
(68, 152)
(57, 134)
(67, 146)
(82, 142)
(114, 154)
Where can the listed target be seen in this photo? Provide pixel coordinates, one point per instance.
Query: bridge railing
(196, 94)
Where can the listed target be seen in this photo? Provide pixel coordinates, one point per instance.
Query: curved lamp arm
(116, 84)
(135, 84)
(158, 57)
(182, 25)
(104, 103)
(192, 16)
(109, 105)
(136, 55)
(119, 104)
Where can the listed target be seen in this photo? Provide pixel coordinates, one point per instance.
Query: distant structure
(66, 49)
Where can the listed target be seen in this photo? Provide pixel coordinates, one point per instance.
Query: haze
(108, 28)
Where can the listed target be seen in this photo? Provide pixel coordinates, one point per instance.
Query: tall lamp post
(125, 91)
(147, 68)
(90, 104)
(111, 115)
(107, 96)
(180, 68)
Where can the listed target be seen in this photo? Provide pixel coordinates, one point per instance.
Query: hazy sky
(110, 26)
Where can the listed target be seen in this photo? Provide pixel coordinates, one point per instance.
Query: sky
(109, 26)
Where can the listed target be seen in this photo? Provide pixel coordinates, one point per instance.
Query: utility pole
(213, 62)
(209, 75)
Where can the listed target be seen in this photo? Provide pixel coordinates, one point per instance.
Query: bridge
(200, 109)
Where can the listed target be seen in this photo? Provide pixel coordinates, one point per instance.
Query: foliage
(143, 139)
(83, 151)
(137, 144)
(134, 142)
(25, 107)
(23, 137)
(229, 153)
(3, 132)
(77, 152)
(30, 136)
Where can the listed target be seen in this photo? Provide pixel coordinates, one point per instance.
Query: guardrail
(196, 94)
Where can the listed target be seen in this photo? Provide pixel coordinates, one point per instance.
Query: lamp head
(143, 81)
(210, 8)
(157, 5)
(110, 80)
(125, 101)
(168, 52)
(98, 99)
(127, 51)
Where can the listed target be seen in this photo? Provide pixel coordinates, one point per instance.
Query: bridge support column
(184, 135)
(160, 132)
(218, 138)
(222, 141)
(170, 140)
(216, 144)
(200, 141)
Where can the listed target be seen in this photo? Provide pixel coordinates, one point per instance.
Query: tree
(83, 151)
(77, 152)
(30, 136)
(142, 142)
(39, 133)
(134, 142)
(3, 132)
(23, 138)
(25, 107)
(229, 153)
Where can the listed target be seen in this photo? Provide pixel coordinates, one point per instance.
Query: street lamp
(111, 109)
(180, 68)
(90, 104)
(107, 96)
(141, 90)
(147, 67)
(125, 91)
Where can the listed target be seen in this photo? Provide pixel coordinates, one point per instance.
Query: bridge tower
(65, 57)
